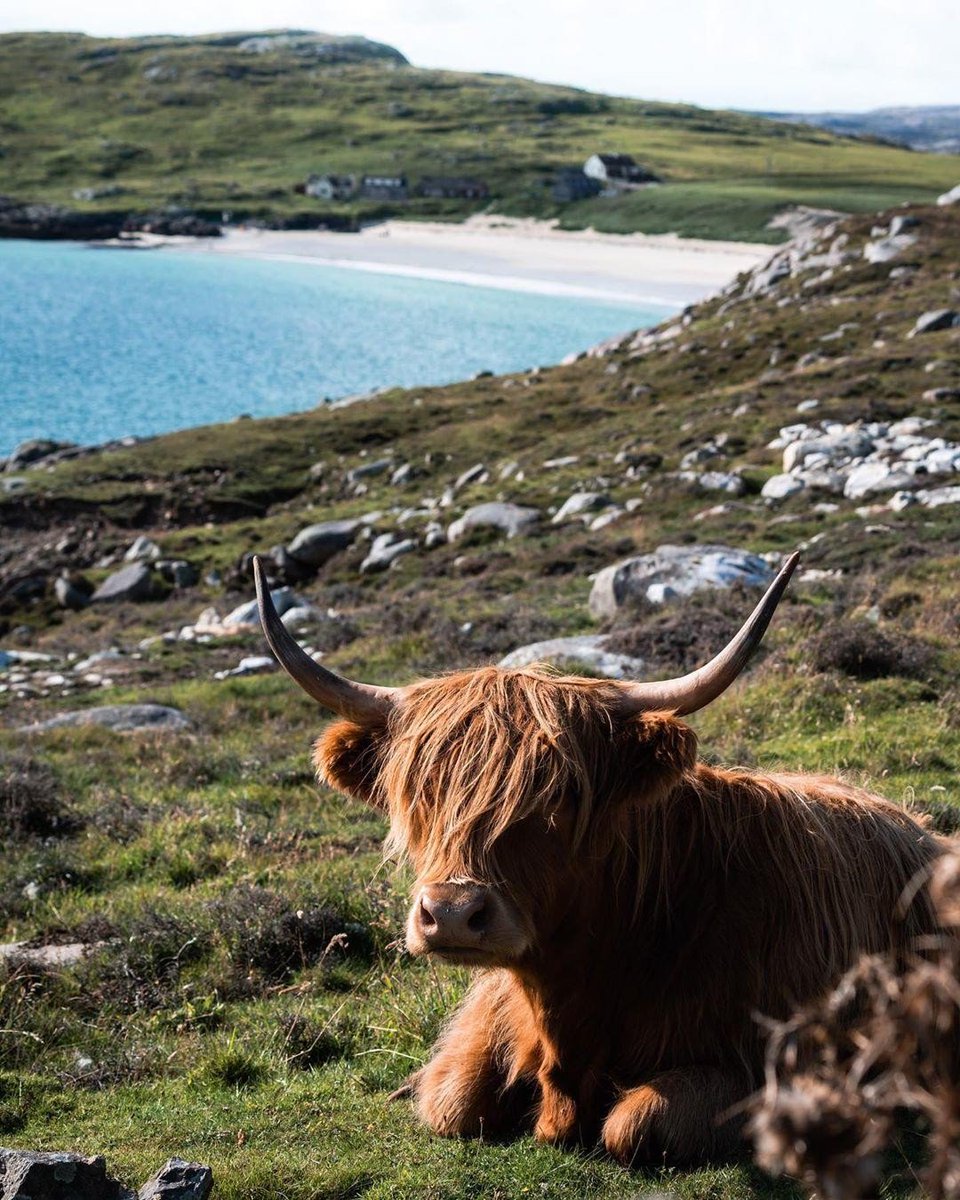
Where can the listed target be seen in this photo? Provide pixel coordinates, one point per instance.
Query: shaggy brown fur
(664, 904)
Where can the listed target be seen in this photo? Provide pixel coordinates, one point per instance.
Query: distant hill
(935, 129)
(233, 122)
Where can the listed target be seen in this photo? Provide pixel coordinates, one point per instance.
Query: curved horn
(695, 691)
(360, 702)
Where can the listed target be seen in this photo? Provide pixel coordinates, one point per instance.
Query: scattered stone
(888, 248)
(301, 614)
(249, 613)
(434, 535)
(403, 475)
(318, 543)
(512, 519)
(941, 395)
(779, 487)
(721, 481)
(367, 470)
(253, 664)
(578, 504)
(56, 955)
(34, 451)
(702, 454)
(476, 474)
(568, 460)
(934, 497)
(133, 582)
(317, 471)
(69, 595)
(681, 569)
(807, 405)
(142, 548)
(587, 650)
(121, 718)
(934, 321)
(901, 500)
(875, 477)
(606, 518)
(178, 1180)
(384, 550)
(56, 1175)
(179, 572)
(951, 197)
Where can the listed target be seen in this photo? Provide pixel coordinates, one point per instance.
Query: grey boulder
(56, 1175)
(587, 650)
(511, 519)
(178, 1180)
(935, 320)
(134, 582)
(671, 571)
(121, 718)
(248, 613)
(580, 504)
(316, 544)
(384, 550)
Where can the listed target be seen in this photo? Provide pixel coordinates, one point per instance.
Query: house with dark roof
(617, 169)
(330, 187)
(384, 187)
(570, 183)
(450, 187)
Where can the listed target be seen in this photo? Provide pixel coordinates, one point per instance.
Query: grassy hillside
(205, 123)
(219, 1016)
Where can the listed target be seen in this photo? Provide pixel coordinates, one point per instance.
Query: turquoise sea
(99, 343)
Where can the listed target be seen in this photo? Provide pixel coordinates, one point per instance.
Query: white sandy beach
(518, 255)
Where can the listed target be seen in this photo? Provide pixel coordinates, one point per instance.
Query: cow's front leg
(680, 1116)
(475, 1084)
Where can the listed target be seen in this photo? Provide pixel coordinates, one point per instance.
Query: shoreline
(521, 255)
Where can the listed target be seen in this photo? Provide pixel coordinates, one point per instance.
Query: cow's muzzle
(463, 922)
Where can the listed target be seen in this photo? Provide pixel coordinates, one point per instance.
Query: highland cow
(629, 909)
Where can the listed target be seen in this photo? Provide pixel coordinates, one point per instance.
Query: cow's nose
(453, 915)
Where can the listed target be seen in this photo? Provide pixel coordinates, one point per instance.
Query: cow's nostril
(427, 919)
(477, 921)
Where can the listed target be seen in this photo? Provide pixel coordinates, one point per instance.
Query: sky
(757, 54)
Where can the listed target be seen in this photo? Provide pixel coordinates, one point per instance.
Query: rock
(888, 248)
(368, 469)
(301, 614)
(34, 451)
(702, 454)
(766, 278)
(875, 477)
(779, 487)
(476, 474)
(6, 660)
(69, 595)
(587, 650)
(121, 718)
(317, 471)
(721, 481)
(578, 504)
(383, 550)
(682, 569)
(133, 582)
(941, 395)
(59, 954)
(951, 197)
(807, 405)
(56, 1175)
(249, 613)
(512, 519)
(567, 460)
(434, 535)
(178, 572)
(901, 500)
(934, 497)
(900, 224)
(178, 1180)
(935, 320)
(843, 444)
(403, 475)
(142, 548)
(318, 543)
(606, 518)
(253, 664)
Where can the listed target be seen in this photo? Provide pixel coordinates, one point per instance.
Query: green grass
(218, 1024)
(228, 130)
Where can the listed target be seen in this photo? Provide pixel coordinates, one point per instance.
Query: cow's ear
(347, 757)
(657, 750)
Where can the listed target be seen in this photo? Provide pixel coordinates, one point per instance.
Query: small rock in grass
(178, 1180)
(121, 718)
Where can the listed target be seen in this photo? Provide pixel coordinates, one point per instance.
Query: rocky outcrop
(584, 650)
(315, 544)
(121, 718)
(671, 571)
(62, 1175)
(133, 582)
(510, 519)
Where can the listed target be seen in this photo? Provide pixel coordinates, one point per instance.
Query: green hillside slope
(233, 123)
(215, 1017)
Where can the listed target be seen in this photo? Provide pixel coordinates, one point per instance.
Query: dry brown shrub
(885, 1044)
